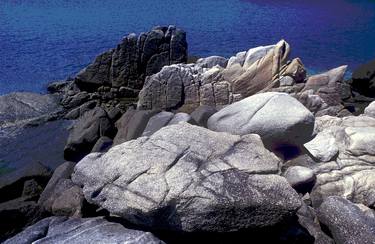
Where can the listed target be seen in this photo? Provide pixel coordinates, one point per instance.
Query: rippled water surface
(44, 40)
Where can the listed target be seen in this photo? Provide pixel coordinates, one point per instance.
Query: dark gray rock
(308, 219)
(202, 114)
(135, 58)
(102, 144)
(363, 79)
(57, 86)
(69, 202)
(75, 230)
(77, 112)
(157, 122)
(86, 131)
(31, 188)
(132, 124)
(188, 178)
(346, 222)
(64, 171)
(16, 214)
(75, 100)
(12, 184)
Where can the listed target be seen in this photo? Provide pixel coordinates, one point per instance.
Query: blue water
(44, 40)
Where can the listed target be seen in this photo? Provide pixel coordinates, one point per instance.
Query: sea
(47, 40)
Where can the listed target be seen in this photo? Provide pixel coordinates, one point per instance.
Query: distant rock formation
(220, 83)
(116, 76)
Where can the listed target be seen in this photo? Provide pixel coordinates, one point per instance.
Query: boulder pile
(217, 151)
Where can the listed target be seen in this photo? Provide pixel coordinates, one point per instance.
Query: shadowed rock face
(188, 178)
(135, 58)
(76, 230)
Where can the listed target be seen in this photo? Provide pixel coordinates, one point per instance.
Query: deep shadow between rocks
(284, 151)
(290, 232)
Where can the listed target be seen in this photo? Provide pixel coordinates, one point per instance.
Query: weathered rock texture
(75, 230)
(350, 168)
(188, 178)
(347, 222)
(258, 70)
(195, 84)
(135, 58)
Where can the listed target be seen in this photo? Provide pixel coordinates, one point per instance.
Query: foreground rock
(19, 191)
(75, 230)
(187, 178)
(278, 118)
(346, 221)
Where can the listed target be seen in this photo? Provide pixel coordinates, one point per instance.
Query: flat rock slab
(25, 105)
(188, 178)
(60, 230)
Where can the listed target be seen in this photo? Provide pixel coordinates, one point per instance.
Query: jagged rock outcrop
(135, 58)
(278, 118)
(188, 178)
(192, 85)
(76, 230)
(350, 172)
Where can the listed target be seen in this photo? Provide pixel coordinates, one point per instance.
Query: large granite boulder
(86, 131)
(346, 222)
(344, 167)
(278, 118)
(363, 79)
(188, 178)
(75, 230)
(135, 58)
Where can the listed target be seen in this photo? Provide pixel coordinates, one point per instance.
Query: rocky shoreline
(143, 147)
